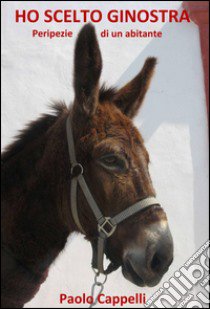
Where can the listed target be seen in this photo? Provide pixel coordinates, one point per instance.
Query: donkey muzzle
(146, 264)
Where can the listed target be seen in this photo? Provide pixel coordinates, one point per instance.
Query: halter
(106, 225)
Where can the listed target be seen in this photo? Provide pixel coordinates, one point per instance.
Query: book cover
(104, 162)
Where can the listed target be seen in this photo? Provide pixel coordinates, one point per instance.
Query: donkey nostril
(156, 263)
(159, 263)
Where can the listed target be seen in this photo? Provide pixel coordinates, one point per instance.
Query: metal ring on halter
(76, 170)
(98, 282)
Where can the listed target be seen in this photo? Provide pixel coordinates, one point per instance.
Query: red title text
(96, 16)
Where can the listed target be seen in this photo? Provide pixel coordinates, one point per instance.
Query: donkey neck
(35, 206)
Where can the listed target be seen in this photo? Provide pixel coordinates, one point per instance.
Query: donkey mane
(40, 126)
(33, 131)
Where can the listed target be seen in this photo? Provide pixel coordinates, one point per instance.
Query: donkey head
(116, 163)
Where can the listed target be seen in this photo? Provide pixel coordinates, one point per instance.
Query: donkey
(36, 177)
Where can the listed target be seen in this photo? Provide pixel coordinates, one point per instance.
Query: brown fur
(36, 216)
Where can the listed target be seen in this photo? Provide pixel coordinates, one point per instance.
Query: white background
(173, 122)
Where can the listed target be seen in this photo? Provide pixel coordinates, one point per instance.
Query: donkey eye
(110, 160)
(113, 162)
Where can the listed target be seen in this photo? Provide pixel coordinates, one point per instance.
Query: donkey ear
(130, 97)
(87, 70)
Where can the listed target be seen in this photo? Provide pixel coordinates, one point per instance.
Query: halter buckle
(76, 170)
(107, 227)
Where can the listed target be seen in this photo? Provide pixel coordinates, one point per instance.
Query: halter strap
(106, 225)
